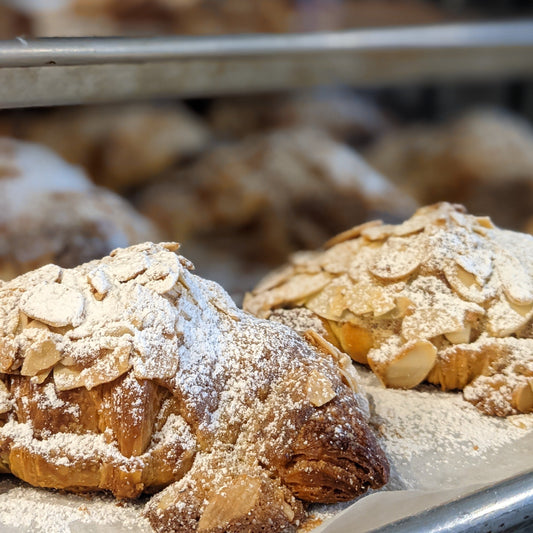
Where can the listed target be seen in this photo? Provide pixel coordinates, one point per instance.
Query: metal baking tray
(504, 507)
(58, 71)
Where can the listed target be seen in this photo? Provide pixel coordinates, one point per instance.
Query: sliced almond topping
(406, 368)
(415, 224)
(287, 511)
(339, 259)
(41, 356)
(8, 352)
(403, 305)
(5, 398)
(397, 259)
(427, 322)
(461, 336)
(100, 283)
(355, 340)
(352, 233)
(505, 318)
(330, 303)
(344, 363)
(36, 324)
(378, 233)
(40, 377)
(274, 279)
(516, 282)
(106, 369)
(522, 398)
(127, 268)
(231, 504)
(466, 284)
(164, 284)
(297, 288)
(319, 389)
(54, 304)
(485, 222)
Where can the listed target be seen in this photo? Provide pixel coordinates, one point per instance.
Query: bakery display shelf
(506, 506)
(58, 71)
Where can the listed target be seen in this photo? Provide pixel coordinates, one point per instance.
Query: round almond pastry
(446, 297)
(51, 213)
(131, 374)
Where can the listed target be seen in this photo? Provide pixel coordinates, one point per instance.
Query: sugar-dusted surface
(434, 441)
(131, 374)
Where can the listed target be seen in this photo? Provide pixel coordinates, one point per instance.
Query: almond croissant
(130, 374)
(445, 297)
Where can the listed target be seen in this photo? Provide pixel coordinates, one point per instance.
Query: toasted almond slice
(378, 233)
(415, 224)
(54, 304)
(397, 259)
(319, 389)
(5, 398)
(40, 377)
(461, 336)
(427, 322)
(352, 233)
(516, 282)
(339, 259)
(125, 269)
(8, 352)
(41, 356)
(100, 283)
(355, 340)
(330, 302)
(170, 246)
(344, 363)
(406, 368)
(164, 284)
(466, 284)
(522, 398)
(485, 222)
(505, 318)
(404, 305)
(232, 504)
(274, 279)
(36, 324)
(106, 369)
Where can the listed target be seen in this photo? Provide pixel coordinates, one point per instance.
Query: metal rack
(88, 70)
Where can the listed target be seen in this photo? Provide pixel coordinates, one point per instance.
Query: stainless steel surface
(507, 506)
(79, 70)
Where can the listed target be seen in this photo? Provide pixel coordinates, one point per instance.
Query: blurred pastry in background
(13, 22)
(483, 159)
(50, 212)
(210, 17)
(342, 113)
(120, 146)
(260, 199)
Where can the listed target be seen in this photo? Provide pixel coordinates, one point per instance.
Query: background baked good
(120, 146)
(50, 212)
(257, 200)
(482, 159)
